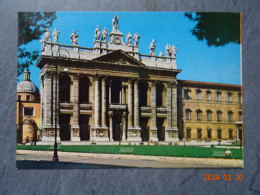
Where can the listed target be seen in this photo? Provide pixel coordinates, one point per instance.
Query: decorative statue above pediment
(115, 23)
(104, 34)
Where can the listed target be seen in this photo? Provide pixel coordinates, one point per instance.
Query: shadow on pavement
(30, 164)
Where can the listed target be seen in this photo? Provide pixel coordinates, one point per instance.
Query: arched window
(208, 95)
(219, 133)
(199, 114)
(219, 113)
(187, 94)
(209, 115)
(229, 97)
(188, 114)
(188, 132)
(230, 116)
(209, 133)
(198, 94)
(218, 96)
(199, 135)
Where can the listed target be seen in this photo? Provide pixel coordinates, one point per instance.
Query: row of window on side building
(209, 115)
(209, 133)
(187, 95)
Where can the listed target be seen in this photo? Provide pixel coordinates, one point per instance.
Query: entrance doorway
(65, 127)
(117, 127)
(161, 129)
(145, 129)
(84, 127)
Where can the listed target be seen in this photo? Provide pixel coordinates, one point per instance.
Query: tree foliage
(31, 25)
(218, 29)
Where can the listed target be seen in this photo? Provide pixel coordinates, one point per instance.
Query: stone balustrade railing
(84, 53)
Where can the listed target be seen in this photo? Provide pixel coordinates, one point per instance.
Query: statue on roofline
(97, 34)
(128, 39)
(152, 48)
(168, 50)
(46, 38)
(173, 51)
(74, 38)
(55, 35)
(136, 39)
(115, 22)
(104, 34)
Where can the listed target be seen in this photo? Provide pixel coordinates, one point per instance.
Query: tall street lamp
(55, 154)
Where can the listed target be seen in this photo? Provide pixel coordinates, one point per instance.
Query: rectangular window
(187, 94)
(218, 97)
(19, 97)
(198, 95)
(27, 97)
(209, 115)
(188, 115)
(229, 97)
(28, 111)
(230, 134)
(230, 116)
(199, 133)
(218, 116)
(209, 133)
(219, 133)
(208, 96)
(188, 132)
(198, 115)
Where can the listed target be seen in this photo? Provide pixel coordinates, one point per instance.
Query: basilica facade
(109, 92)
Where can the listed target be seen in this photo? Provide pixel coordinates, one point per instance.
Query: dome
(27, 87)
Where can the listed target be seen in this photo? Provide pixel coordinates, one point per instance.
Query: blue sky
(197, 61)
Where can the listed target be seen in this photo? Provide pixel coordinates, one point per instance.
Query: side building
(28, 110)
(209, 111)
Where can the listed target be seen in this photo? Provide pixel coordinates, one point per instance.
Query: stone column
(97, 103)
(75, 98)
(169, 106)
(136, 105)
(56, 82)
(153, 131)
(41, 100)
(130, 105)
(123, 95)
(172, 133)
(47, 100)
(109, 91)
(48, 130)
(124, 126)
(110, 114)
(104, 103)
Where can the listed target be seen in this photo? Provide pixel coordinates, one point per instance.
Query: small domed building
(28, 110)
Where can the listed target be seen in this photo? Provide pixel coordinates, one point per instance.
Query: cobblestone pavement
(27, 159)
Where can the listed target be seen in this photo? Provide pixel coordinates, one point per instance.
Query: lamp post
(55, 154)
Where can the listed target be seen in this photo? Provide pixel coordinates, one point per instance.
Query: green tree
(31, 25)
(218, 29)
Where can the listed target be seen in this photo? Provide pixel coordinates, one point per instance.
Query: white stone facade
(110, 92)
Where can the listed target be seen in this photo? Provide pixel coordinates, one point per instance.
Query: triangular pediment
(118, 57)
